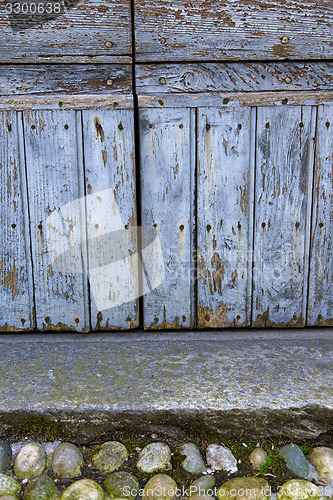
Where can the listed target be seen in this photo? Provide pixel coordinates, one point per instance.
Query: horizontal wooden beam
(73, 101)
(180, 30)
(63, 79)
(31, 30)
(194, 100)
(234, 77)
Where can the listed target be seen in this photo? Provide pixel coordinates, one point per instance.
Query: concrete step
(259, 382)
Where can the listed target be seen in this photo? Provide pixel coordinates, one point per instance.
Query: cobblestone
(130, 482)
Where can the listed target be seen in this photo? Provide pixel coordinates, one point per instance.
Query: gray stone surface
(40, 488)
(322, 459)
(121, 485)
(295, 460)
(109, 456)
(202, 486)
(258, 458)
(193, 462)
(221, 458)
(244, 488)
(30, 461)
(297, 489)
(154, 457)
(8, 485)
(269, 382)
(84, 489)
(160, 487)
(67, 460)
(5, 455)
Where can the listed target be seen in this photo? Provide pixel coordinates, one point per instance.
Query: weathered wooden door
(235, 129)
(67, 154)
(223, 147)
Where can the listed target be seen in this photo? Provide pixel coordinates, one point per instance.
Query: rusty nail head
(108, 44)
(288, 79)
(285, 40)
(162, 80)
(163, 40)
(109, 82)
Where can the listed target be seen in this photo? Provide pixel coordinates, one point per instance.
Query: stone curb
(259, 382)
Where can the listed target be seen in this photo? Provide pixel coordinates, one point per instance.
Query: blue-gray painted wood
(320, 311)
(227, 99)
(89, 28)
(54, 79)
(226, 139)
(53, 140)
(111, 213)
(234, 77)
(243, 30)
(167, 146)
(16, 289)
(283, 196)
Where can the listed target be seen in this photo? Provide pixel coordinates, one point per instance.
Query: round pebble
(258, 457)
(322, 459)
(204, 485)
(295, 460)
(40, 488)
(50, 447)
(202, 497)
(110, 456)
(8, 485)
(154, 457)
(221, 458)
(67, 460)
(245, 488)
(297, 489)
(30, 461)
(84, 489)
(121, 485)
(193, 462)
(5, 455)
(160, 487)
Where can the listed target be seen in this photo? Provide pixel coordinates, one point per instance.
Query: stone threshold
(257, 382)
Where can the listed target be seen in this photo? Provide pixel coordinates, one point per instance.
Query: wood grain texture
(53, 140)
(320, 310)
(180, 30)
(110, 177)
(284, 176)
(234, 77)
(82, 59)
(15, 270)
(60, 78)
(213, 99)
(67, 102)
(80, 30)
(226, 141)
(167, 153)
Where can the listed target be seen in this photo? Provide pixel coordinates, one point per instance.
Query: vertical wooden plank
(111, 218)
(320, 309)
(55, 183)
(15, 271)
(167, 171)
(284, 176)
(224, 216)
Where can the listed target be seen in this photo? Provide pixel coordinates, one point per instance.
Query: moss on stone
(43, 427)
